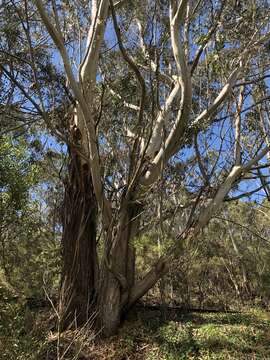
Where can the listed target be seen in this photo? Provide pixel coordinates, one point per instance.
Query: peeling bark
(80, 262)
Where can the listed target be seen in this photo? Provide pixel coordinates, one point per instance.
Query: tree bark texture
(84, 289)
(118, 272)
(80, 261)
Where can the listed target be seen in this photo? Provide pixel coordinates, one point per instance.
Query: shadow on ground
(199, 335)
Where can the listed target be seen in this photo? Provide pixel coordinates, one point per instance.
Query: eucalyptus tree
(159, 94)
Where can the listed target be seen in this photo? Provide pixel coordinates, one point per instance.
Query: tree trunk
(86, 288)
(80, 261)
(118, 270)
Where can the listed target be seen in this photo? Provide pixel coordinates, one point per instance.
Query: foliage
(18, 338)
(18, 174)
(29, 251)
(227, 267)
(203, 336)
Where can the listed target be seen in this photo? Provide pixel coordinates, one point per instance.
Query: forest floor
(146, 334)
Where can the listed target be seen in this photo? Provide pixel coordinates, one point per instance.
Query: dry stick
(58, 318)
(77, 335)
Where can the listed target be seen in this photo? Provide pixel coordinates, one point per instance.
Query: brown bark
(80, 262)
(85, 288)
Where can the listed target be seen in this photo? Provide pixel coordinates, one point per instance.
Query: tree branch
(237, 126)
(89, 124)
(156, 138)
(174, 139)
(207, 113)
